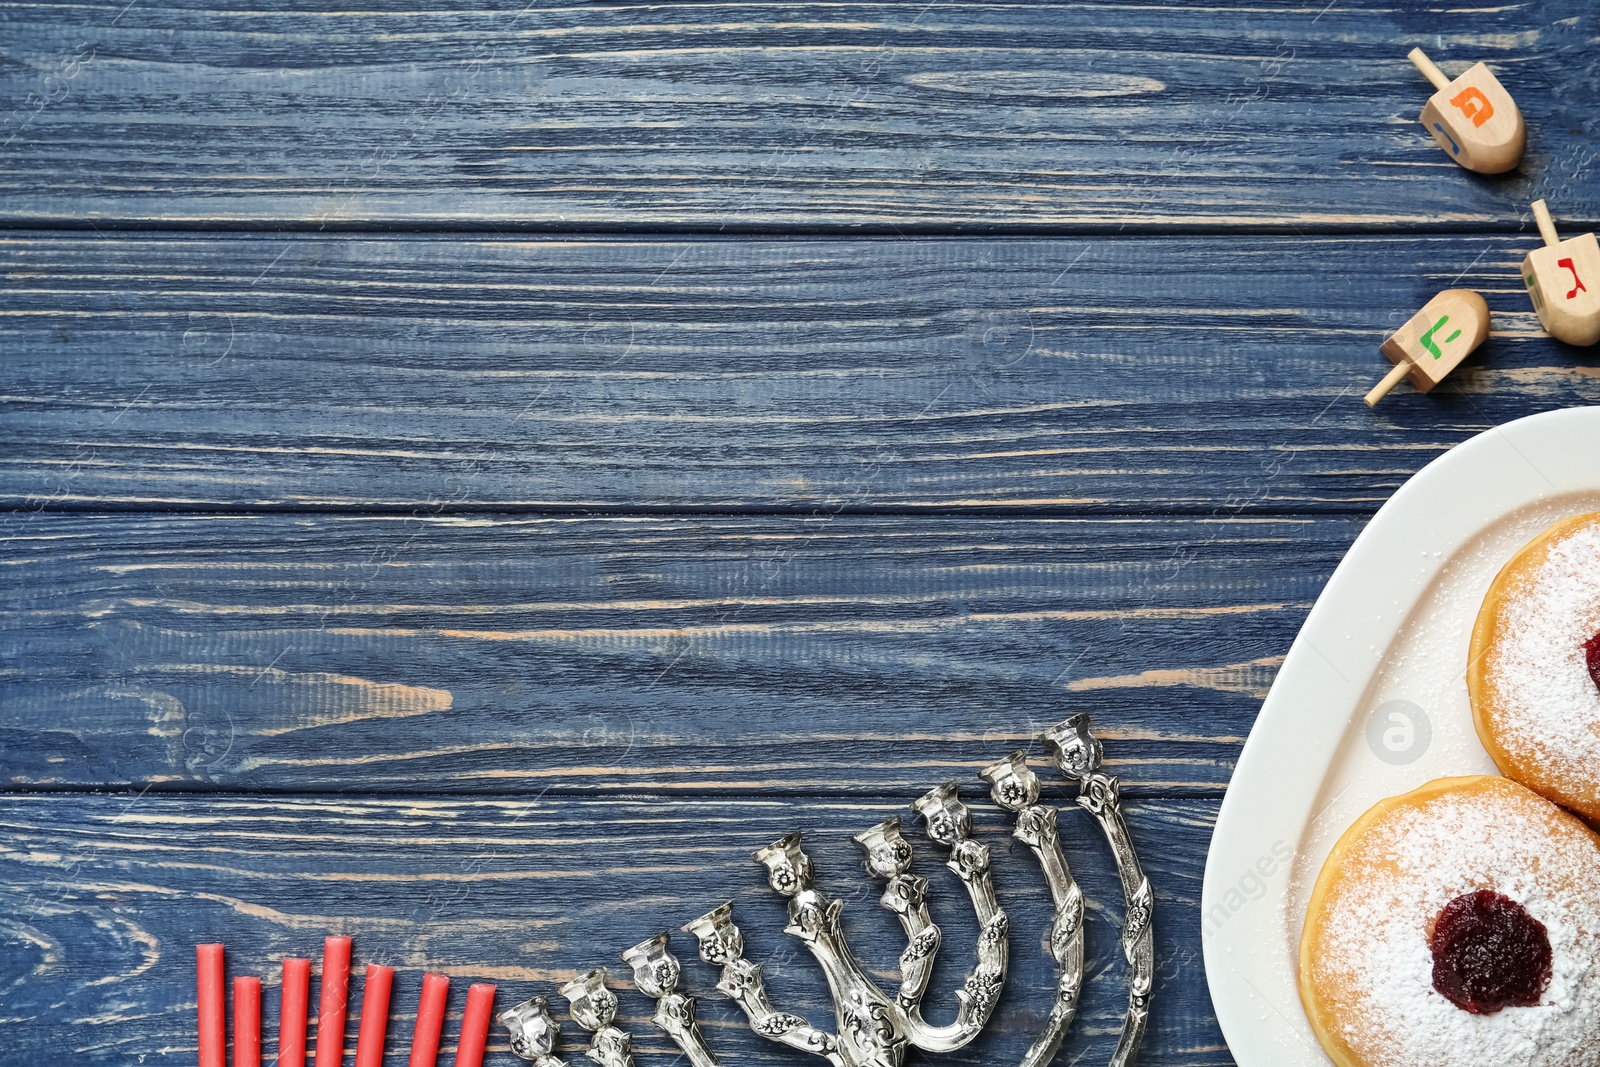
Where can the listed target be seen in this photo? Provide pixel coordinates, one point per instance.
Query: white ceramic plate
(1371, 701)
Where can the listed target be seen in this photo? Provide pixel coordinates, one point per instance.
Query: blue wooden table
(471, 476)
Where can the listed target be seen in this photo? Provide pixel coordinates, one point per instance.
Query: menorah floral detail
(875, 1029)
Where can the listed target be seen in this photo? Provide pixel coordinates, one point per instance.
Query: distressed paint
(584, 654)
(730, 116)
(436, 374)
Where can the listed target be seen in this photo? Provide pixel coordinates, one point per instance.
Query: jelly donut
(1533, 672)
(1457, 925)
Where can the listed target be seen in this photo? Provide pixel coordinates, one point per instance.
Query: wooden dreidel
(1558, 277)
(1473, 118)
(1434, 341)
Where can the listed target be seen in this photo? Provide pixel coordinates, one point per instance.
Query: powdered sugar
(1402, 872)
(1546, 702)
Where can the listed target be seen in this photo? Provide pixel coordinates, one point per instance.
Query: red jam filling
(1591, 656)
(1488, 952)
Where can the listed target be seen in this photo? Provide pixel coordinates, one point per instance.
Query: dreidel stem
(1547, 225)
(1390, 380)
(1429, 71)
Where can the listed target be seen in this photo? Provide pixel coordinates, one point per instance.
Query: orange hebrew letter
(1474, 105)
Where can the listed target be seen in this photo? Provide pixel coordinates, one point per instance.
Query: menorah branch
(656, 972)
(872, 1028)
(906, 895)
(721, 945)
(949, 825)
(1078, 754)
(1014, 786)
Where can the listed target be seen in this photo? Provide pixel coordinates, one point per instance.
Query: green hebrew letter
(1427, 338)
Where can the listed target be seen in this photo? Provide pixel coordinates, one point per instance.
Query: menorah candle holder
(533, 1032)
(593, 1007)
(874, 1029)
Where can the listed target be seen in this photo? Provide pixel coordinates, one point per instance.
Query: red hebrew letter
(1579, 287)
(1474, 105)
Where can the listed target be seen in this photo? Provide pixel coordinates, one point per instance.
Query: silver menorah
(875, 1029)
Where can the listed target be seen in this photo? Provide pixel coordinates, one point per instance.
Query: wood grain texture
(102, 900)
(714, 655)
(814, 376)
(761, 115)
(491, 597)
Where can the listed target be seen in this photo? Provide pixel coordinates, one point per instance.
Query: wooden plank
(742, 655)
(727, 115)
(815, 376)
(105, 897)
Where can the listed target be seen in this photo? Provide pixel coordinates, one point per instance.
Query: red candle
(430, 1020)
(374, 1015)
(213, 1025)
(292, 1013)
(475, 1024)
(246, 1022)
(330, 1013)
